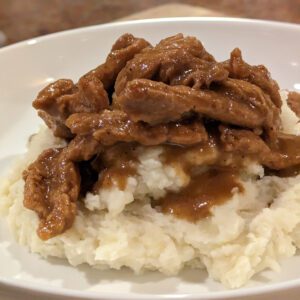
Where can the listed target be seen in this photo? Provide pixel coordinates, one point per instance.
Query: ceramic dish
(28, 66)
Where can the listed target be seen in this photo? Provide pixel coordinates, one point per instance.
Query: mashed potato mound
(251, 232)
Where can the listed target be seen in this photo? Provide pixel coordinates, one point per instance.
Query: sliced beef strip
(124, 49)
(258, 75)
(83, 148)
(191, 43)
(111, 127)
(191, 71)
(127, 40)
(52, 185)
(176, 61)
(48, 108)
(252, 95)
(293, 102)
(186, 132)
(62, 98)
(247, 143)
(156, 102)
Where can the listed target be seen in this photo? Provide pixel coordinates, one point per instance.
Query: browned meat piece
(200, 74)
(57, 127)
(193, 45)
(244, 141)
(82, 148)
(156, 102)
(186, 132)
(62, 98)
(293, 102)
(256, 98)
(125, 41)
(124, 49)
(52, 185)
(247, 143)
(177, 60)
(110, 127)
(49, 110)
(153, 135)
(258, 75)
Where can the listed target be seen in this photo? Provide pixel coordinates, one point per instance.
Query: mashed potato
(251, 232)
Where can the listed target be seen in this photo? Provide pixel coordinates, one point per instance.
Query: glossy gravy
(119, 162)
(205, 190)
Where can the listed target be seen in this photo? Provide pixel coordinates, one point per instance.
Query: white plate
(28, 66)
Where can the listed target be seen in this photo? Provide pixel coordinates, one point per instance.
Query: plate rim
(78, 294)
(59, 34)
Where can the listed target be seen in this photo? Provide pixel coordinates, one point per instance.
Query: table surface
(23, 19)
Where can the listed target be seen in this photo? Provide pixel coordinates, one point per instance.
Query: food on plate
(161, 158)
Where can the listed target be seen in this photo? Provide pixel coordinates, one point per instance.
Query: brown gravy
(119, 161)
(205, 190)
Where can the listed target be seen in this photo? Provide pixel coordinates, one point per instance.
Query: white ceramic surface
(28, 66)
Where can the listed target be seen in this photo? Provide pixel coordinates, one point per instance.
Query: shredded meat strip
(248, 143)
(52, 185)
(258, 75)
(62, 98)
(124, 49)
(83, 148)
(177, 60)
(110, 127)
(156, 102)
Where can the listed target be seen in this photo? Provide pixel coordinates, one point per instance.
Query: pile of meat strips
(174, 94)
